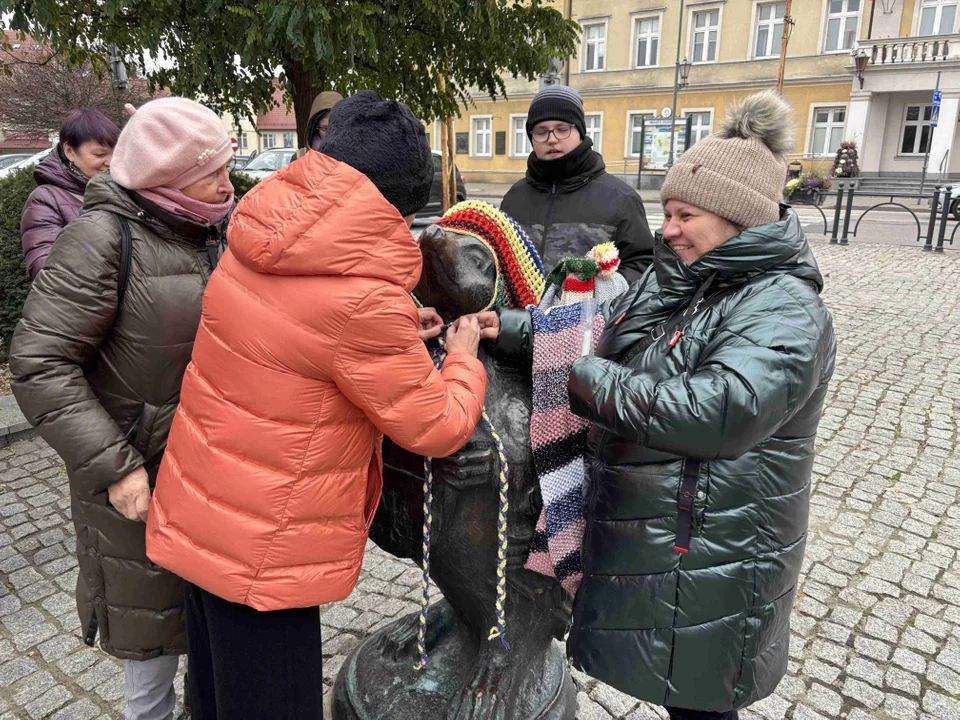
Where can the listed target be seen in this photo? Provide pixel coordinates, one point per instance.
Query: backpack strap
(126, 258)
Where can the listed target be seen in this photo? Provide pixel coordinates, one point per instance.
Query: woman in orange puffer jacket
(308, 352)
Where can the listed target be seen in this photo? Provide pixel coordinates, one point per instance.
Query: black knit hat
(385, 141)
(557, 102)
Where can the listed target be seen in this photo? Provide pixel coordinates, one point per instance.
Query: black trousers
(683, 714)
(250, 665)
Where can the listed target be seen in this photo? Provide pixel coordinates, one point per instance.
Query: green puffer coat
(102, 385)
(734, 404)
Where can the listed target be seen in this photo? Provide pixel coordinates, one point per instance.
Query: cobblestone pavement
(877, 619)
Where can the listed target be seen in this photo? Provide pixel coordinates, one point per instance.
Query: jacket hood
(103, 193)
(53, 171)
(568, 173)
(319, 216)
(779, 247)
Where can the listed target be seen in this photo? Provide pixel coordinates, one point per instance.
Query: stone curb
(13, 425)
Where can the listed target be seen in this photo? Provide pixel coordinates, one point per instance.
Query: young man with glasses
(567, 203)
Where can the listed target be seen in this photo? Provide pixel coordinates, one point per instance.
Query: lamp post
(684, 72)
(117, 70)
(788, 23)
(860, 58)
(676, 86)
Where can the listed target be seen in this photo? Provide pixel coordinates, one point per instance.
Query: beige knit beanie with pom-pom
(738, 173)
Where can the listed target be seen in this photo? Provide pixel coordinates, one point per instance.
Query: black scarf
(574, 169)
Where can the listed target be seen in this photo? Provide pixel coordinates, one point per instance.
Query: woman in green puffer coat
(705, 396)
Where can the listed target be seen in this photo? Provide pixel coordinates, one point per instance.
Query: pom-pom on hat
(519, 269)
(738, 173)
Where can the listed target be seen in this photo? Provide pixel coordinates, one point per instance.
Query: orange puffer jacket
(307, 354)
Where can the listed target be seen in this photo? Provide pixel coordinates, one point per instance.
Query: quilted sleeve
(383, 368)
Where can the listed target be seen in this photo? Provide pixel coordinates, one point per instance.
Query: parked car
(434, 208)
(239, 162)
(268, 162)
(955, 203)
(28, 161)
(8, 160)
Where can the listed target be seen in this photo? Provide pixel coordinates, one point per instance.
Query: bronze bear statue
(469, 676)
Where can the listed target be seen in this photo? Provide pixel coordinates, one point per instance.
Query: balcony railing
(896, 51)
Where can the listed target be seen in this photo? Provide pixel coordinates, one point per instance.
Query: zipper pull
(676, 338)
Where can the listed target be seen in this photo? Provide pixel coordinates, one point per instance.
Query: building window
(648, 41)
(842, 16)
(288, 140)
(706, 33)
(521, 143)
(243, 142)
(637, 144)
(595, 46)
(937, 17)
(769, 29)
(701, 125)
(828, 124)
(594, 124)
(917, 132)
(269, 141)
(481, 136)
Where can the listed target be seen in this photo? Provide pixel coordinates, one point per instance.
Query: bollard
(836, 214)
(846, 215)
(934, 205)
(944, 216)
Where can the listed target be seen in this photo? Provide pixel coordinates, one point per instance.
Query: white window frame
(755, 29)
(514, 152)
(243, 141)
(692, 31)
(688, 111)
(595, 22)
(903, 126)
(918, 12)
(825, 24)
(273, 140)
(290, 135)
(637, 18)
(808, 145)
(473, 136)
(628, 153)
(598, 145)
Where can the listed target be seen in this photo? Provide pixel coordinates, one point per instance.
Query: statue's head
(476, 258)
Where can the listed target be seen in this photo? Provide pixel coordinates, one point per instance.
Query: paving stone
(81, 710)
(613, 701)
(863, 693)
(944, 677)
(824, 700)
(589, 710)
(903, 681)
(15, 669)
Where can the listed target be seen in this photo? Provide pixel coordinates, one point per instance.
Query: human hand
(431, 324)
(489, 322)
(131, 495)
(464, 336)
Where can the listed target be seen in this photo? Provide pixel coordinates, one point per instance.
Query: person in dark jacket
(87, 139)
(98, 374)
(568, 203)
(705, 396)
(319, 120)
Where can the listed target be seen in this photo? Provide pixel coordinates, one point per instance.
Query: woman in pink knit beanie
(98, 358)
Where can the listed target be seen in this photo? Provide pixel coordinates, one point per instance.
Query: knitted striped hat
(519, 269)
(593, 276)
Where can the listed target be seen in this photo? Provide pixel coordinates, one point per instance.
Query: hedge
(14, 281)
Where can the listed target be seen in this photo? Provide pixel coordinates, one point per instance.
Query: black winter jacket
(724, 421)
(568, 205)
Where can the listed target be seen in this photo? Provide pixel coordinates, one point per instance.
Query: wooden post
(444, 147)
(452, 162)
(787, 22)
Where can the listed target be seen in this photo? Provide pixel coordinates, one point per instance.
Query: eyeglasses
(560, 132)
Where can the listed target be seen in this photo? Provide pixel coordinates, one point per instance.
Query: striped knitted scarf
(557, 436)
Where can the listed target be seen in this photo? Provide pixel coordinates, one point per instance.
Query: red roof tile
(278, 118)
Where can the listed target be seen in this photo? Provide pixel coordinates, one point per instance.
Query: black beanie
(557, 102)
(385, 141)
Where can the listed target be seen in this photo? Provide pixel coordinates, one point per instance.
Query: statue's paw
(487, 695)
(399, 642)
(473, 465)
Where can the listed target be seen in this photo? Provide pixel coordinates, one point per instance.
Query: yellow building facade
(625, 69)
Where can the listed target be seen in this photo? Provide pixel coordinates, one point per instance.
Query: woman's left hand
(431, 324)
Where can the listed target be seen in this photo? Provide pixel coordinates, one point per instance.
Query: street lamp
(685, 72)
(678, 67)
(861, 59)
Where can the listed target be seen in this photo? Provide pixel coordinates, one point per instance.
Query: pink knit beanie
(171, 142)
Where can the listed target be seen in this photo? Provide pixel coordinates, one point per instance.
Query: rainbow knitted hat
(519, 270)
